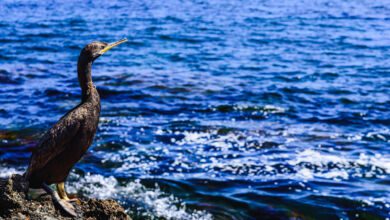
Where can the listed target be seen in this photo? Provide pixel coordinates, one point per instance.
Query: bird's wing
(53, 142)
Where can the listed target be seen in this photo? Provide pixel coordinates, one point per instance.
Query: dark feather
(53, 142)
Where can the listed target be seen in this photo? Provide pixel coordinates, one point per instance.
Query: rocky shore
(15, 205)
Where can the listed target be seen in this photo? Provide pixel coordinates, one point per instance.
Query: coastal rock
(15, 205)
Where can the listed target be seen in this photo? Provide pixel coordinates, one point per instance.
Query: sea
(237, 110)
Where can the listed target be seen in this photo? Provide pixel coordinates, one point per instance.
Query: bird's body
(73, 133)
(66, 142)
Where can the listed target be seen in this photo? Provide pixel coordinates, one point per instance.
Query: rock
(15, 205)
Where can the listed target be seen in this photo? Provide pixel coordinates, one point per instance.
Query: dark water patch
(42, 36)
(181, 38)
(106, 92)
(12, 40)
(43, 49)
(7, 77)
(57, 93)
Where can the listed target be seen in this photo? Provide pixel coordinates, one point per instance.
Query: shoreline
(15, 205)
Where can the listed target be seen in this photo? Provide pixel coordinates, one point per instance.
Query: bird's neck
(84, 69)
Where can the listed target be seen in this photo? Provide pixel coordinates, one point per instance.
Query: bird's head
(95, 49)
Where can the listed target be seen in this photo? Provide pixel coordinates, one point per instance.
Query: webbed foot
(74, 200)
(63, 203)
(67, 207)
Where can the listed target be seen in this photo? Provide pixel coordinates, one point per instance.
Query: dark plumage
(67, 141)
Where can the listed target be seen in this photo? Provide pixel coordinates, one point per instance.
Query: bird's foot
(67, 207)
(74, 200)
(63, 203)
(63, 195)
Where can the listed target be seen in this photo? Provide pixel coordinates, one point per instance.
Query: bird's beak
(112, 45)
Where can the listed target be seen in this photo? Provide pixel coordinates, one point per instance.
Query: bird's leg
(63, 195)
(61, 191)
(65, 205)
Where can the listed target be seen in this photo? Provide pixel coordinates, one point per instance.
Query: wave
(156, 203)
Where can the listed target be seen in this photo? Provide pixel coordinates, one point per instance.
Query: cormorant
(64, 143)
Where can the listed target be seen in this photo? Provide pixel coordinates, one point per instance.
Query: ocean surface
(213, 109)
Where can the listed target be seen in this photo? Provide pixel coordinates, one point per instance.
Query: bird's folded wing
(53, 143)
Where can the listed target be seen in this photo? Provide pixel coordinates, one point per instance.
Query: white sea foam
(158, 204)
(8, 171)
(225, 159)
(242, 155)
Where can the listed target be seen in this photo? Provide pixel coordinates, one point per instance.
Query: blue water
(213, 109)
